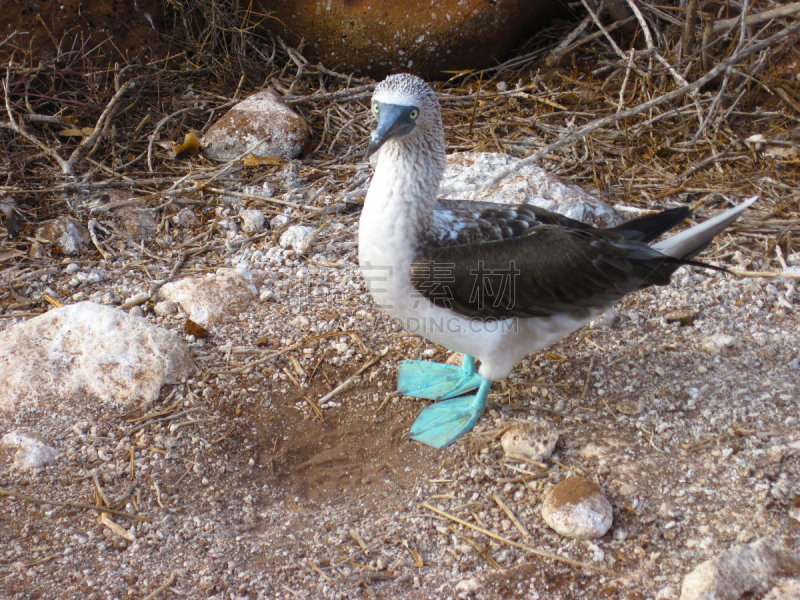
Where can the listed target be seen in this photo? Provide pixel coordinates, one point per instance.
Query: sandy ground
(243, 491)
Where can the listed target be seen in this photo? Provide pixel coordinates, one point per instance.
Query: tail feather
(688, 244)
(649, 227)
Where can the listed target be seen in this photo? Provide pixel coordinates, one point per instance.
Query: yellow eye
(414, 114)
(375, 108)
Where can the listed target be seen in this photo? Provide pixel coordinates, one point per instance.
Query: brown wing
(547, 270)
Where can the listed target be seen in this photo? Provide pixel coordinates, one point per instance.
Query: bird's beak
(393, 121)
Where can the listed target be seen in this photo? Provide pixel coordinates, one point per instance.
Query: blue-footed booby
(491, 281)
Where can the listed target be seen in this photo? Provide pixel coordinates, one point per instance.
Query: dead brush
(677, 109)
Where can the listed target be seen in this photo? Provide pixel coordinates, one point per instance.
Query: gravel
(248, 493)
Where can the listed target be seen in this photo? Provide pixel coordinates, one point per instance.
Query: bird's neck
(406, 182)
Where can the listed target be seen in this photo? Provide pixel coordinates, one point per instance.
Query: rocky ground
(250, 479)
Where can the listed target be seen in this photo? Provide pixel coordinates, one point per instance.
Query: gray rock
(577, 508)
(746, 569)
(138, 222)
(183, 217)
(33, 452)
(81, 354)
(67, 235)
(531, 185)
(262, 115)
(535, 440)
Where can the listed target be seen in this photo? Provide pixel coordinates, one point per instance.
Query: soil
(253, 496)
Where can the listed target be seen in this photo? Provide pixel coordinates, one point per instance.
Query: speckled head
(404, 105)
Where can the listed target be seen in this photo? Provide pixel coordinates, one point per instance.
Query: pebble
(794, 511)
(33, 452)
(719, 344)
(297, 237)
(183, 218)
(605, 321)
(684, 317)
(252, 220)
(535, 440)
(577, 508)
(278, 221)
(468, 587)
(165, 308)
(455, 359)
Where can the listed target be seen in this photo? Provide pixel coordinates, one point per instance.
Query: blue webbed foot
(441, 424)
(435, 381)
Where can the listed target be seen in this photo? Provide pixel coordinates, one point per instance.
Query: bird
(493, 282)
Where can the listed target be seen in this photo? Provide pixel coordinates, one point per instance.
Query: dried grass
(671, 122)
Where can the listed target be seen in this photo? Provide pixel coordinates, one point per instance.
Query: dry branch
(598, 124)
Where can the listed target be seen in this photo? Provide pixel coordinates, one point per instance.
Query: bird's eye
(375, 108)
(414, 114)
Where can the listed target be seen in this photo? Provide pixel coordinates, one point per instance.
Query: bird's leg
(435, 381)
(441, 424)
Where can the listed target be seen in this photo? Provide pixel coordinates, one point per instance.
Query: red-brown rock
(262, 116)
(378, 37)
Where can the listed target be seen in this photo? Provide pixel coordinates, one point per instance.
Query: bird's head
(404, 105)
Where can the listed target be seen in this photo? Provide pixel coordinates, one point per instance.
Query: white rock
(33, 452)
(577, 508)
(535, 440)
(297, 237)
(747, 569)
(214, 298)
(86, 353)
(532, 185)
(719, 344)
(252, 220)
(262, 115)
